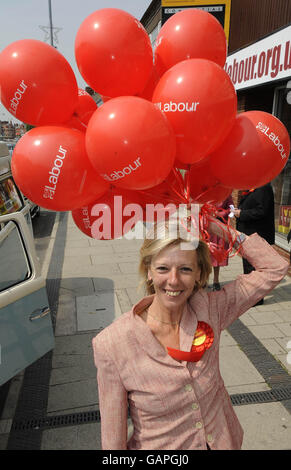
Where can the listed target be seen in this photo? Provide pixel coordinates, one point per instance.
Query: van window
(9, 197)
(14, 264)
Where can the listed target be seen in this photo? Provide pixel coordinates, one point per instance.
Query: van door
(26, 331)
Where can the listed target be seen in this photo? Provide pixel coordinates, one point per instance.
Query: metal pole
(51, 22)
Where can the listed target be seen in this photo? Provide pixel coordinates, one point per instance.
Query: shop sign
(264, 61)
(219, 9)
(284, 219)
(9, 199)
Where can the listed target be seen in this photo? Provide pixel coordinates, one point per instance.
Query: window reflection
(14, 265)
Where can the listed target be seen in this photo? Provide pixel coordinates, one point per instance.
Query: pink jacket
(177, 406)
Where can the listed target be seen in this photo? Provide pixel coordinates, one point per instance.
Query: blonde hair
(153, 245)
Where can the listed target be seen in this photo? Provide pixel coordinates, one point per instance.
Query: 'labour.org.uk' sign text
(262, 62)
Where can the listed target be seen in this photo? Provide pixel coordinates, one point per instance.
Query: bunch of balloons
(162, 112)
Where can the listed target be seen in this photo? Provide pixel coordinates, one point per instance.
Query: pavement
(99, 282)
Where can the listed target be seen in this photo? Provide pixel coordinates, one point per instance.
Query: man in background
(255, 214)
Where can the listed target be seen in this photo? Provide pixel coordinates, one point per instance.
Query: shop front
(261, 74)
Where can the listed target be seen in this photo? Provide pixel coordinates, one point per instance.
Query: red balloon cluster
(167, 132)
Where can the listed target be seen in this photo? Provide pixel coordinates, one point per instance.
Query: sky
(21, 19)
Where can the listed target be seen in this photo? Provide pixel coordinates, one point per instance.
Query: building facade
(10, 130)
(259, 64)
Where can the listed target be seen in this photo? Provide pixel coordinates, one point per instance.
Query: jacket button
(195, 406)
(199, 425)
(209, 438)
(188, 388)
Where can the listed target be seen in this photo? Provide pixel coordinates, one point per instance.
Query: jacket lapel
(151, 345)
(188, 327)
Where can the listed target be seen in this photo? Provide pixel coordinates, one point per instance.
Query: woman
(146, 360)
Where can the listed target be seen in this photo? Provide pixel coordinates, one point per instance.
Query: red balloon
(84, 110)
(75, 123)
(130, 143)
(113, 52)
(204, 186)
(86, 106)
(199, 100)
(51, 167)
(254, 153)
(161, 201)
(151, 84)
(110, 216)
(190, 34)
(38, 85)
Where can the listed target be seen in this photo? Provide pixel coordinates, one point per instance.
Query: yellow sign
(284, 224)
(219, 9)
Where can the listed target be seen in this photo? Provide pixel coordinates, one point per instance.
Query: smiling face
(174, 273)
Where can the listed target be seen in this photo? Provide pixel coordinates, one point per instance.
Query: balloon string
(179, 179)
(76, 116)
(201, 195)
(187, 184)
(181, 197)
(209, 213)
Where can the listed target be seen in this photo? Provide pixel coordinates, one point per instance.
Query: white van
(26, 331)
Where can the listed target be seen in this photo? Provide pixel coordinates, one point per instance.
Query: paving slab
(124, 300)
(67, 397)
(123, 257)
(266, 331)
(83, 437)
(67, 321)
(129, 268)
(87, 250)
(95, 312)
(266, 426)
(236, 369)
(119, 281)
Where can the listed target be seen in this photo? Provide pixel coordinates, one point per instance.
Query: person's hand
(236, 212)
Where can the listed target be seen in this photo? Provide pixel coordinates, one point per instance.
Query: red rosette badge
(202, 341)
